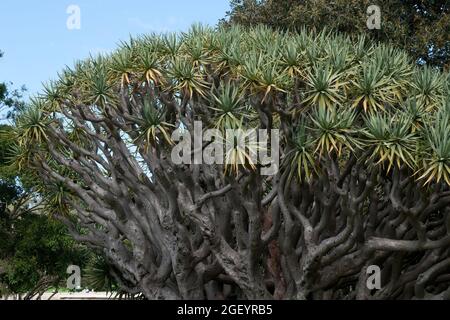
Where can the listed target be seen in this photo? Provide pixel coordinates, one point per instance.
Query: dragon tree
(364, 175)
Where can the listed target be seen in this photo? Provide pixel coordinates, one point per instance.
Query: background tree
(35, 253)
(364, 180)
(10, 100)
(420, 27)
(35, 249)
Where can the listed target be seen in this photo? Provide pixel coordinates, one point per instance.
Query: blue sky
(37, 43)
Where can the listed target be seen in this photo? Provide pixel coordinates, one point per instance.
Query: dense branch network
(347, 195)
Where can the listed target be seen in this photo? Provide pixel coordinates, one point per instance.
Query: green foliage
(10, 100)
(436, 149)
(342, 96)
(364, 133)
(32, 245)
(325, 87)
(32, 124)
(300, 161)
(97, 275)
(36, 245)
(187, 77)
(228, 104)
(393, 140)
(6, 172)
(152, 124)
(428, 87)
(334, 130)
(419, 27)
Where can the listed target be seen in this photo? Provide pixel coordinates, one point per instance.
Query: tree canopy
(10, 100)
(420, 27)
(35, 250)
(363, 180)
